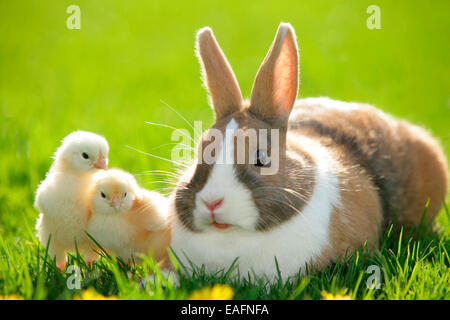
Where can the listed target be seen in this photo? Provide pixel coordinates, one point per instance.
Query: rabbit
(344, 171)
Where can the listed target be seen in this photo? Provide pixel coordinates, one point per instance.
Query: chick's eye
(85, 155)
(261, 158)
(103, 195)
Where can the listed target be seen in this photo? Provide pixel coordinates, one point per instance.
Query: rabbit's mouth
(221, 225)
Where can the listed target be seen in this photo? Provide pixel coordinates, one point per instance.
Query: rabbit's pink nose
(213, 205)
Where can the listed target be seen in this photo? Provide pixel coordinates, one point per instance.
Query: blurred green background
(109, 76)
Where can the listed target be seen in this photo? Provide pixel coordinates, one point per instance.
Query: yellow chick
(62, 197)
(127, 219)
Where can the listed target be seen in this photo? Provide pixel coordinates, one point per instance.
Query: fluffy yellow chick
(127, 219)
(62, 197)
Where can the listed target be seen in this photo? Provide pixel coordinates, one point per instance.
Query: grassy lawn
(128, 58)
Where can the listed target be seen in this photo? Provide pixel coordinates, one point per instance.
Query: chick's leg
(48, 239)
(89, 255)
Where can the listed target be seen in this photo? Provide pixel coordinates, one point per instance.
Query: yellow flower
(10, 297)
(91, 294)
(330, 296)
(217, 292)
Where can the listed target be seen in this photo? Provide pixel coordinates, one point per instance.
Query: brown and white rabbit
(345, 170)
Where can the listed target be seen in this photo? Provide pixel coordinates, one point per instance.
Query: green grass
(110, 76)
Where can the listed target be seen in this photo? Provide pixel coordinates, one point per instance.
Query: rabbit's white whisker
(170, 127)
(158, 157)
(186, 147)
(167, 105)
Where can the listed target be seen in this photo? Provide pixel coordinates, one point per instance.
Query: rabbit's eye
(125, 194)
(261, 159)
(103, 195)
(85, 155)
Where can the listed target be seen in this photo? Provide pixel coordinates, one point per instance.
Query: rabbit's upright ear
(226, 97)
(276, 84)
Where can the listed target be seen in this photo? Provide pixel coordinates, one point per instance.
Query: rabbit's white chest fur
(294, 243)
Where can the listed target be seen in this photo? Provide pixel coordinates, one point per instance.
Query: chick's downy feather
(139, 225)
(62, 197)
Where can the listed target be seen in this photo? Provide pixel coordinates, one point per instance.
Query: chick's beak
(115, 201)
(101, 163)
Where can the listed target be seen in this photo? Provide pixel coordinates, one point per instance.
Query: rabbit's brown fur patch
(404, 163)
